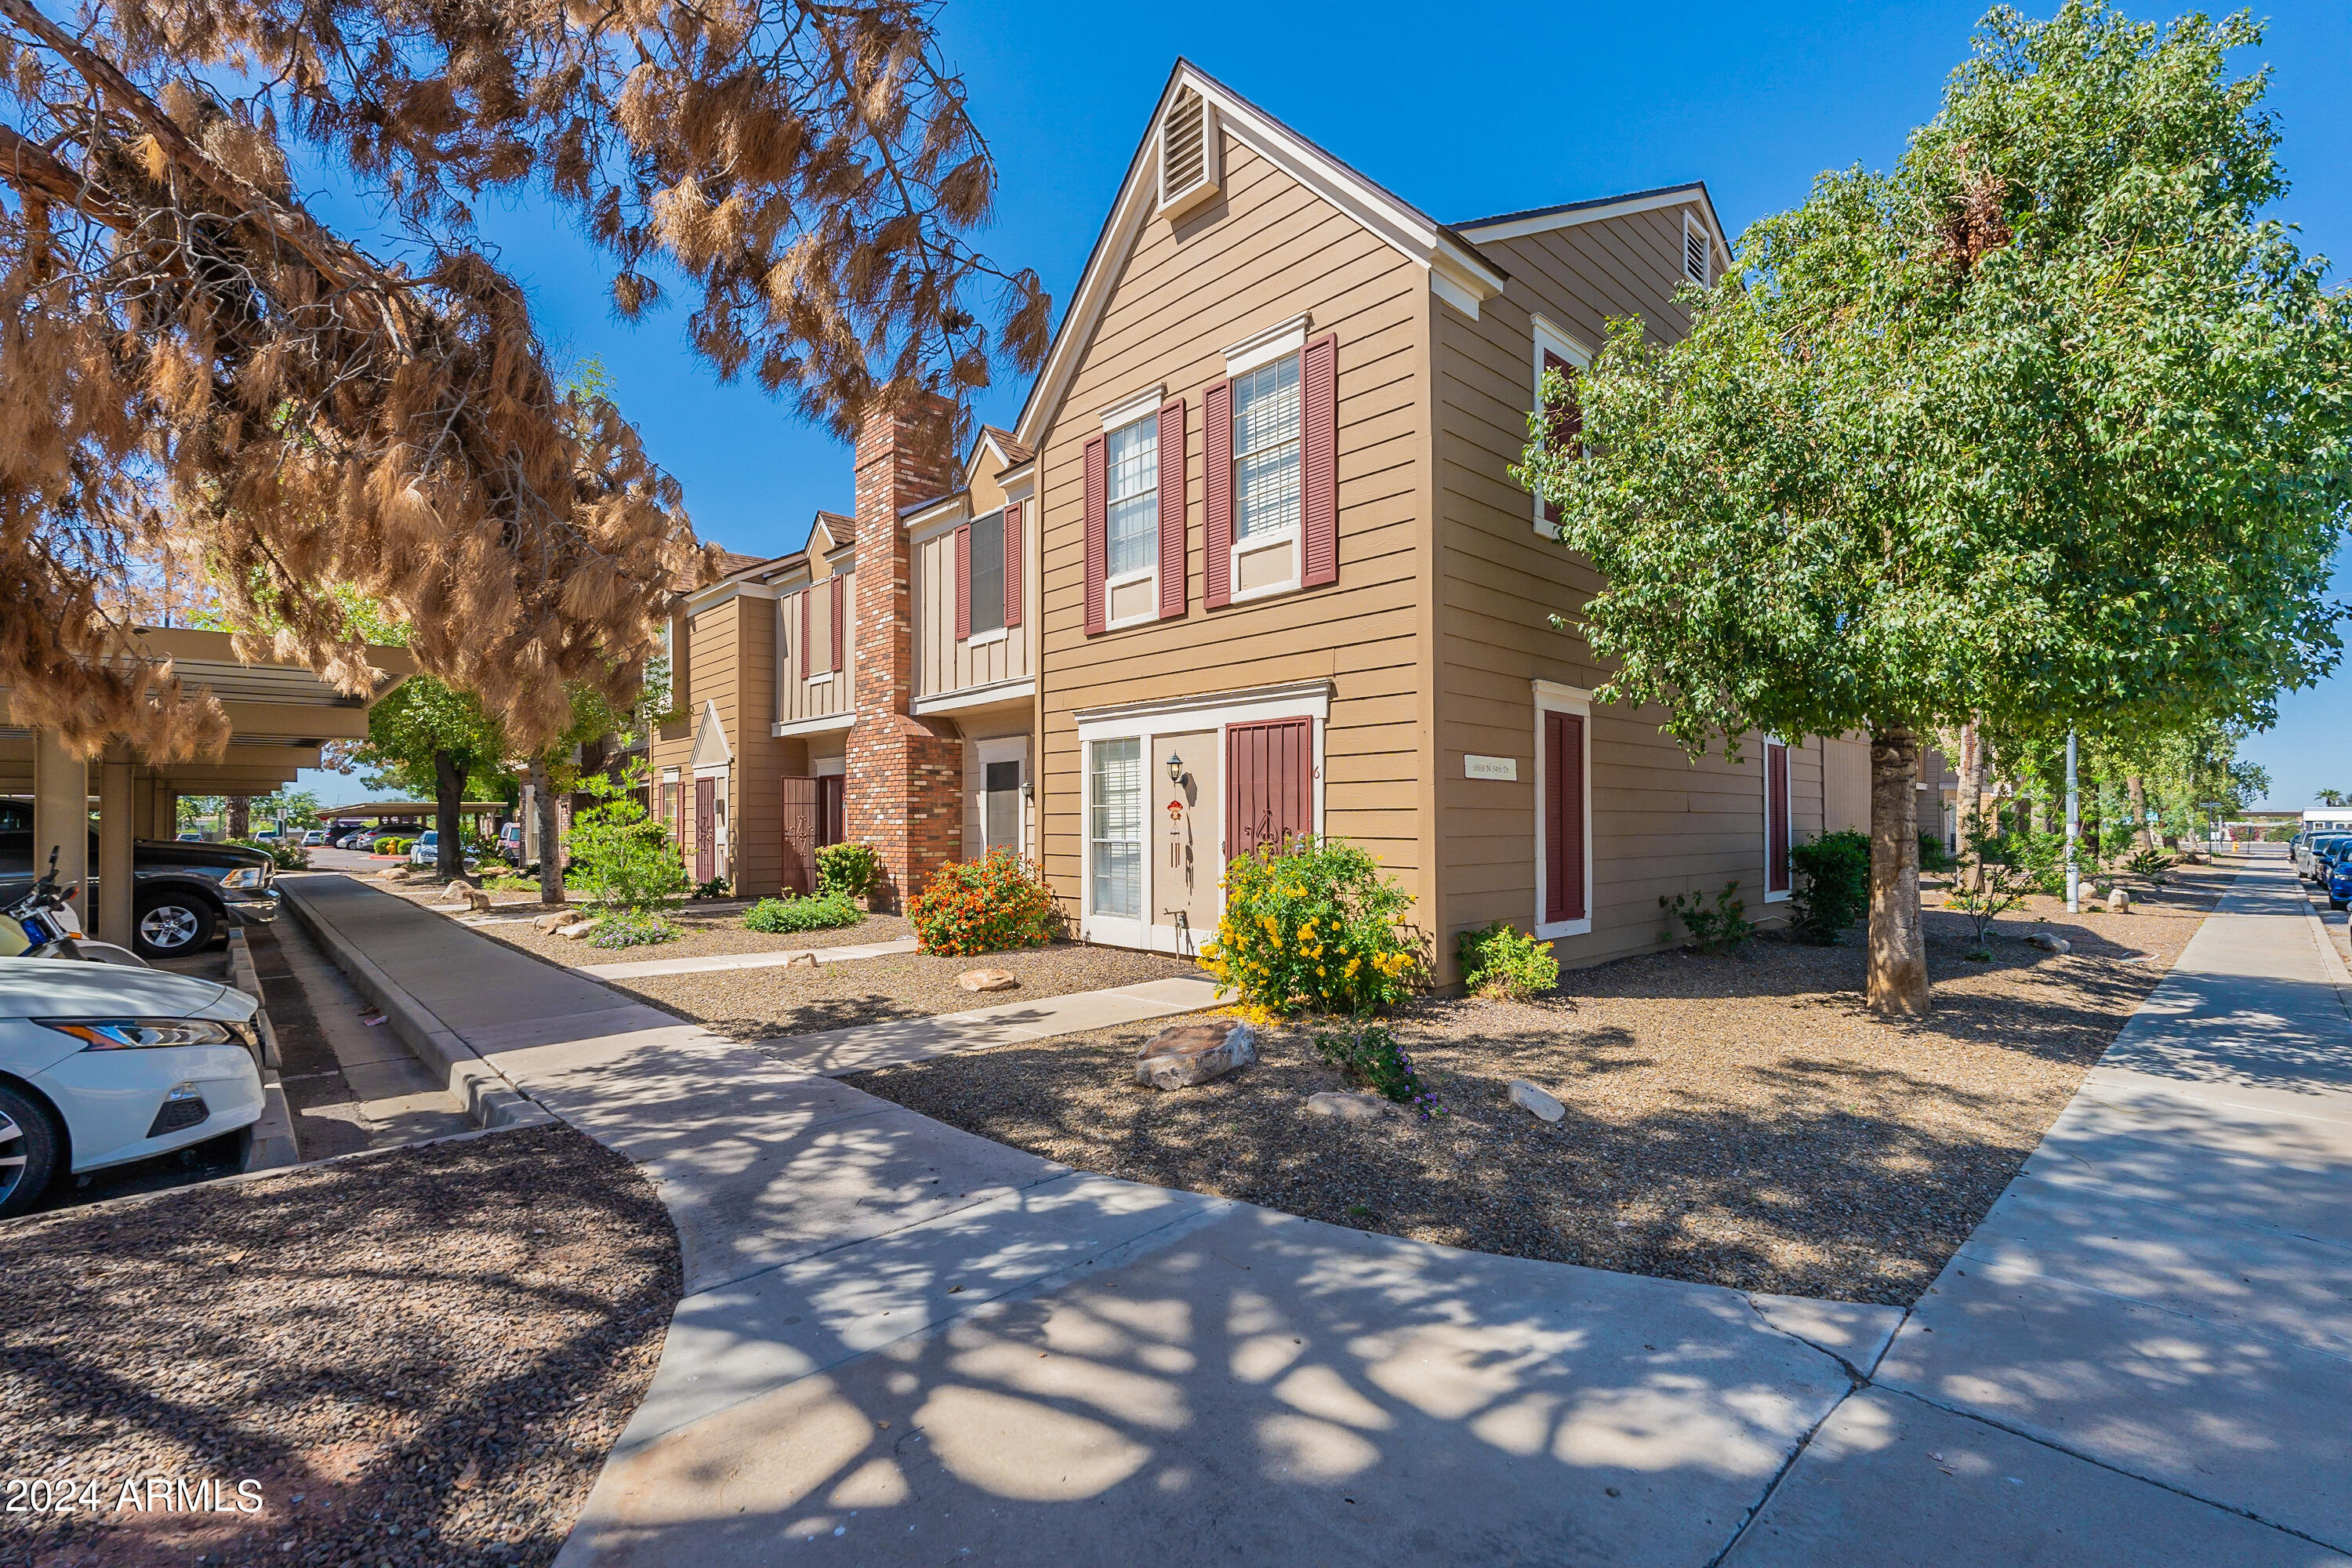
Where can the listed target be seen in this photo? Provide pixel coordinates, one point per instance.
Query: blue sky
(1580, 101)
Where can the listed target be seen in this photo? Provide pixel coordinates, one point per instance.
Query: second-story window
(1266, 451)
(1133, 516)
(987, 574)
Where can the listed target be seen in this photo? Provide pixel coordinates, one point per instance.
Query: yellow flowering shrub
(1312, 926)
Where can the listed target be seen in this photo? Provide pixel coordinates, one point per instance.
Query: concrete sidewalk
(901, 1343)
(2147, 1345)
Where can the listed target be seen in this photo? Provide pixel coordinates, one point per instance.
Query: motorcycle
(42, 924)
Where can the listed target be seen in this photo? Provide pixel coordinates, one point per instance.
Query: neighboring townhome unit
(1289, 585)
(878, 685)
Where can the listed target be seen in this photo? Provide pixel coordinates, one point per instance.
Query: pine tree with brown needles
(191, 363)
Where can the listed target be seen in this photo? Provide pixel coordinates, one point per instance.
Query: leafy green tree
(432, 739)
(2045, 427)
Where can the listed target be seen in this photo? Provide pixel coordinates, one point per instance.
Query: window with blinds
(986, 592)
(1266, 450)
(1115, 829)
(1132, 456)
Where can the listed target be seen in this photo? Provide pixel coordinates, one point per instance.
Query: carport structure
(280, 715)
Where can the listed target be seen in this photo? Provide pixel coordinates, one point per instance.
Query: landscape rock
(1534, 1102)
(1191, 1054)
(1360, 1106)
(984, 978)
(800, 961)
(2049, 943)
(551, 920)
(577, 929)
(2119, 903)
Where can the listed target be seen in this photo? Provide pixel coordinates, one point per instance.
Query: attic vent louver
(1695, 250)
(1187, 155)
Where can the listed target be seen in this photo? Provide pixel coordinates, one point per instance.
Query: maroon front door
(1269, 783)
(829, 793)
(802, 817)
(1776, 817)
(706, 829)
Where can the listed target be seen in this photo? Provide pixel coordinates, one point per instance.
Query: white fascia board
(718, 593)
(947, 509)
(815, 726)
(1543, 223)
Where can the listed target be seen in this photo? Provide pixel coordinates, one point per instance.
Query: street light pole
(2073, 830)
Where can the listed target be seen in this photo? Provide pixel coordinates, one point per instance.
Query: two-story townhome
(1289, 584)
(877, 684)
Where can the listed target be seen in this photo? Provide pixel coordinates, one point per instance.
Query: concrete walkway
(848, 953)
(901, 1343)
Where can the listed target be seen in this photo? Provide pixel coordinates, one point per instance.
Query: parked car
(185, 894)
(100, 1066)
(511, 843)
(356, 839)
(2339, 884)
(2312, 855)
(427, 850)
(316, 836)
(192, 838)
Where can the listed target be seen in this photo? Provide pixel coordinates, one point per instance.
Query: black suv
(187, 893)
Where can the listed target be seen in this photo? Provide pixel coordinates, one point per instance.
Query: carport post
(61, 814)
(115, 833)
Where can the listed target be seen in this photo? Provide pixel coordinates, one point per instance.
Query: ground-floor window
(1563, 811)
(1115, 827)
(1776, 820)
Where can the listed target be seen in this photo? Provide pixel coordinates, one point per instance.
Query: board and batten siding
(1661, 823)
(944, 664)
(1265, 250)
(796, 698)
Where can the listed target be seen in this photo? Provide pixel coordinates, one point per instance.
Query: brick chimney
(905, 789)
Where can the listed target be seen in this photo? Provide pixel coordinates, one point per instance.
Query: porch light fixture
(1175, 769)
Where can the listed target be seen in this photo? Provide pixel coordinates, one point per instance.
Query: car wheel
(170, 925)
(28, 1153)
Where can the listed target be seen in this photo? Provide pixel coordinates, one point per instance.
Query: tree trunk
(448, 798)
(1898, 937)
(2137, 792)
(550, 851)
(1969, 817)
(240, 816)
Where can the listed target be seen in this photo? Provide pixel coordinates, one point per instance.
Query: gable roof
(1453, 262)
(1009, 449)
(1568, 215)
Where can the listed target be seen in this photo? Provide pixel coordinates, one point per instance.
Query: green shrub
(1366, 1055)
(632, 927)
(621, 858)
(983, 906)
(1725, 928)
(1311, 923)
(717, 888)
(1834, 885)
(823, 912)
(1500, 962)
(849, 869)
(1933, 855)
(2152, 866)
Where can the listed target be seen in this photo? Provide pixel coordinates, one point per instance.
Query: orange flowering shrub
(983, 906)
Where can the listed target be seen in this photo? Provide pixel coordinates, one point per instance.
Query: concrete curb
(268, 1142)
(490, 1097)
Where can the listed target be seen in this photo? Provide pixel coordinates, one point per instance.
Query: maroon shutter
(1015, 566)
(1269, 783)
(808, 653)
(1098, 534)
(1217, 494)
(1563, 808)
(800, 834)
(1318, 461)
(1562, 422)
(1776, 817)
(840, 620)
(1172, 455)
(963, 582)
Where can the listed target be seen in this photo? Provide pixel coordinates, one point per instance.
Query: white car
(102, 1065)
(316, 836)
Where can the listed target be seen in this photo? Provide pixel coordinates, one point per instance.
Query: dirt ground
(1741, 1121)
(764, 1004)
(421, 1357)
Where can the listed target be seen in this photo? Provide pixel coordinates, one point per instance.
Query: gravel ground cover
(1741, 1121)
(764, 1004)
(421, 1356)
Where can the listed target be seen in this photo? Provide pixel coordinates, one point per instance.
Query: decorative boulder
(1190, 1053)
(2049, 943)
(2119, 903)
(987, 980)
(800, 961)
(579, 927)
(551, 920)
(1360, 1106)
(1534, 1102)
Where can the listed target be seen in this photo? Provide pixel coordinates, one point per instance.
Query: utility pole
(2073, 830)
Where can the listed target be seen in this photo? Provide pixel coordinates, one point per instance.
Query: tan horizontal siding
(1269, 250)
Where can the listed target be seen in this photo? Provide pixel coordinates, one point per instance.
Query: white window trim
(1550, 337)
(1148, 574)
(1706, 240)
(1764, 791)
(1147, 722)
(822, 678)
(987, 638)
(1142, 405)
(1553, 697)
(1013, 749)
(1265, 347)
(1293, 535)
(1134, 411)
